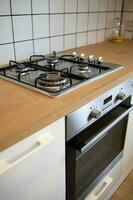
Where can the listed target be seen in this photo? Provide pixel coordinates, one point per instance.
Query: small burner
(21, 68)
(82, 70)
(53, 81)
(52, 60)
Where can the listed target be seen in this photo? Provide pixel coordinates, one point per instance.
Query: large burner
(53, 81)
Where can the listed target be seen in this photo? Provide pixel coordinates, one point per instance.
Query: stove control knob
(74, 54)
(121, 96)
(82, 56)
(100, 60)
(95, 113)
(91, 58)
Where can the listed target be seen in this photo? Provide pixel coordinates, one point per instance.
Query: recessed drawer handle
(5, 165)
(107, 182)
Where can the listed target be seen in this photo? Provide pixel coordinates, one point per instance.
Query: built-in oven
(94, 148)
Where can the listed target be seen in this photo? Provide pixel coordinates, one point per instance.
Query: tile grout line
(14, 48)
(32, 26)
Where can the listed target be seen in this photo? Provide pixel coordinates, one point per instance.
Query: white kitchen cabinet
(127, 165)
(34, 169)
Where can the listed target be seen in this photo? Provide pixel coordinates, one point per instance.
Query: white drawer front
(102, 189)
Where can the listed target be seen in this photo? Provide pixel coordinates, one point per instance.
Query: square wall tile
(6, 53)
(82, 5)
(128, 16)
(103, 5)
(70, 41)
(92, 21)
(93, 5)
(56, 6)
(81, 39)
(22, 27)
(57, 43)
(41, 26)
(92, 37)
(102, 20)
(70, 23)
(128, 35)
(100, 35)
(41, 46)
(56, 25)
(5, 7)
(118, 5)
(128, 5)
(40, 6)
(82, 21)
(5, 30)
(21, 7)
(110, 20)
(24, 50)
(70, 6)
(111, 5)
(108, 34)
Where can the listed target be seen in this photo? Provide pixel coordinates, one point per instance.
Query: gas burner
(21, 68)
(52, 61)
(82, 70)
(53, 81)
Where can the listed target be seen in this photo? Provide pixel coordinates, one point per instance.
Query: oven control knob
(121, 96)
(100, 60)
(95, 113)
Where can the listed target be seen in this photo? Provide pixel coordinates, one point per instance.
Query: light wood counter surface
(23, 112)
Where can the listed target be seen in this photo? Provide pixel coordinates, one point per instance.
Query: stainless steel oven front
(95, 139)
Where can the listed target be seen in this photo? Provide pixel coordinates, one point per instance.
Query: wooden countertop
(23, 112)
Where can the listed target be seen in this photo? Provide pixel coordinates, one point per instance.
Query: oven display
(107, 100)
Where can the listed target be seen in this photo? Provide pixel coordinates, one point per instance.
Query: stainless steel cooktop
(55, 76)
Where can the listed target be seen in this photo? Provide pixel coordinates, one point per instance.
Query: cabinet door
(34, 169)
(128, 148)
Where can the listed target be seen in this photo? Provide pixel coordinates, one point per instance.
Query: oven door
(95, 150)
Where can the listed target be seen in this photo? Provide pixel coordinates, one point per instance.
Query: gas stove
(56, 75)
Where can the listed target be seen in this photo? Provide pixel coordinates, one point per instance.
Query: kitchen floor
(125, 191)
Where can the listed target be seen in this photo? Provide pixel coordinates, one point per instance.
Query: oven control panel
(88, 114)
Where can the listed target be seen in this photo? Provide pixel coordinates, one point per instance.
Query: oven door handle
(87, 145)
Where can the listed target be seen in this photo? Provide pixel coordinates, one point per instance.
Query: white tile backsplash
(56, 25)
(21, 7)
(22, 28)
(92, 21)
(70, 41)
(5, 30)
(56, 6)
(111, 5)
(41, 46)
(82, 20)
(41, 26)
(40, 6)
(102, 20)
(70, 6)
(103, 5)
(70, 23)
(100, 36)
(92, 37)
(81, 39)
(6, 53)
(23, 50)
(93, 5)
(57, 43)
(4, 7)
(128, 5)
(83, 5)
